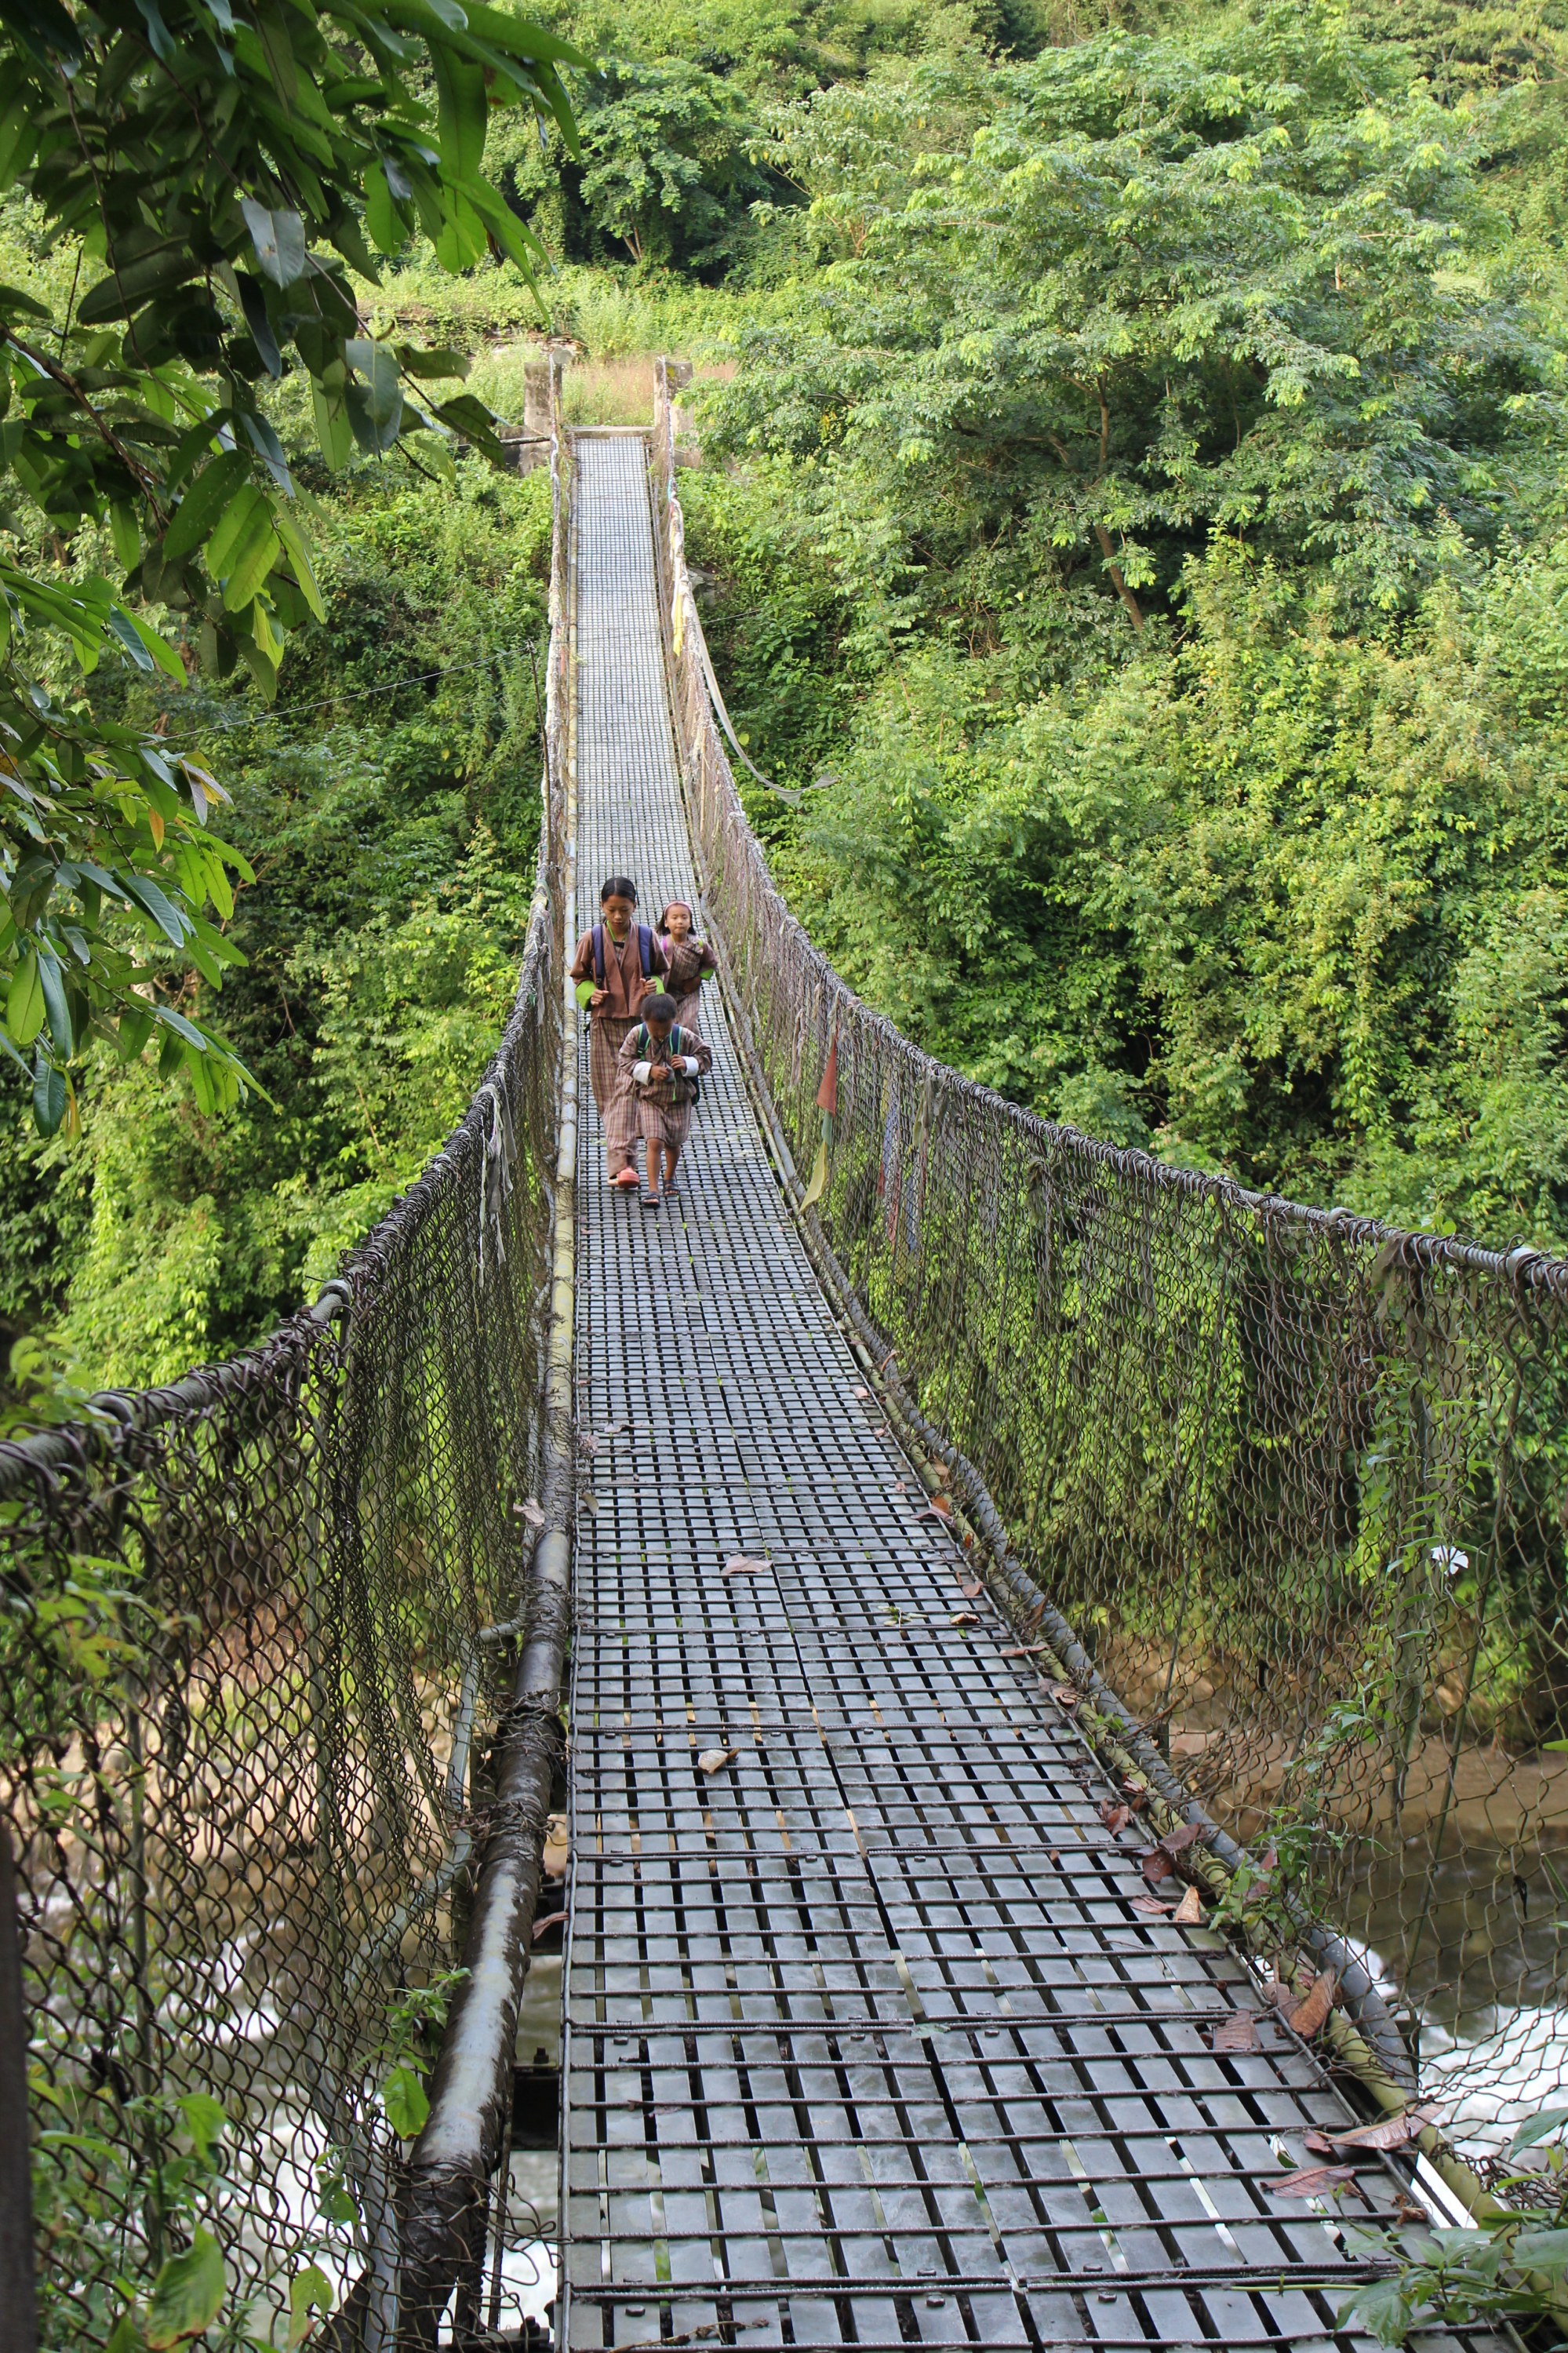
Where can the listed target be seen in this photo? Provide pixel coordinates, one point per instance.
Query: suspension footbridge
(692, 1584)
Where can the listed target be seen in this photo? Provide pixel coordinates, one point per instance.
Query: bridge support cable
(873, 2035)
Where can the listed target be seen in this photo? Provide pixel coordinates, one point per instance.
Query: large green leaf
(187, 2294)
(373, 393)
(217, 514)
(25, 1006)
(463, 107)
(138, 279)
(406, 2103)
(278, 239)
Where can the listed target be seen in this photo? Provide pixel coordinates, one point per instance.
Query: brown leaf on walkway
(1310, 2017)
(551, 1920)
(1317, 2144)
(862, 1394)
(1237, 2032)
(901, 1486)
(963, 1618)
(1065, 1695)
(1026, 1650)
(1177, 1842)
(1313, 2181)
(1115, 1818)
(1189, 1912)
(940, 1504)
(1389, 2132)
(1154, 1906)
(1156, 1865)
(713, 1760)
(971, 1589)
(740, 1565)
(1137, 1797)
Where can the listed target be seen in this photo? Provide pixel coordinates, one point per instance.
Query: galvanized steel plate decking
(865, 2043)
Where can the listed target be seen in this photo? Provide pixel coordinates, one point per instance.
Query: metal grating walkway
(865, 2043)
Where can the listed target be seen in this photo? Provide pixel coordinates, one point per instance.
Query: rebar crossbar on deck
(867, 2042)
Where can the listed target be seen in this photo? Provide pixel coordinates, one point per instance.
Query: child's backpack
(644, 950)
(676, 1042)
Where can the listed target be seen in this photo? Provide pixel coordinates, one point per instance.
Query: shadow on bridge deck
(867, 2041)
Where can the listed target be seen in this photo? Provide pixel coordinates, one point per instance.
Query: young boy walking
(664, 1062)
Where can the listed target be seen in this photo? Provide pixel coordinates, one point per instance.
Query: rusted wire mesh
(247, 1666)
(1299, 1482)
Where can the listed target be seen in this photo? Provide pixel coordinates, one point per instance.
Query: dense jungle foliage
(1132, 520)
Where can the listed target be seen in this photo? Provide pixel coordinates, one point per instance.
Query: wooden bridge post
(540, 397)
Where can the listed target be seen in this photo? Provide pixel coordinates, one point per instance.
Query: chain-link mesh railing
(255, 1635)
(1299, 1482)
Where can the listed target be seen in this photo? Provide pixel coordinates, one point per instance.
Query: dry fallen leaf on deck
(1391, 2132)
(742, 1565)
(1065, 1695)
(713, 1760)
(940, 1504)
(588, 1442)
(551, 1920)
(1237, 2032)
(1313, 2181)
(1115, 1818)
(900, 1487)
(1156, 1865)
(862, 1394)
(1310, 2017)
(1177, 1842)
(532, 1512)
(1028, 1651)
(1189, 1912)
(1153, 1905)
(963, 1618)
(1137, 1798)
(972, 1590)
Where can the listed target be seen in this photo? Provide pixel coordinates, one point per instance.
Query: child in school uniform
(688, 961)
(624, 962)
(663, 1061)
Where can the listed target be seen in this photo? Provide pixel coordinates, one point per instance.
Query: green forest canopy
(1134, 506)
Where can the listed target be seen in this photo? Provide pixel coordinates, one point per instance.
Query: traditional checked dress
(608, 1024)
(664, 1103)
(687, 965)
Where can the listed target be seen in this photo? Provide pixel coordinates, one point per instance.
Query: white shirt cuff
(640, 1073)
(691, 1063)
